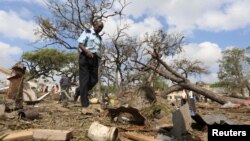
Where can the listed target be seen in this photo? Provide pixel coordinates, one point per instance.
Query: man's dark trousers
(88, 76)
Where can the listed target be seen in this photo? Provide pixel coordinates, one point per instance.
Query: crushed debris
(158, 120)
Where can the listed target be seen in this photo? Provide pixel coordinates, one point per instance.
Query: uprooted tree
(152, 55)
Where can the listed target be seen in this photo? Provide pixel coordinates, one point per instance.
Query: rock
(182, 121)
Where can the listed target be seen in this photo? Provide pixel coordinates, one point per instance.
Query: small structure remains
(15, 91)
(178, 95)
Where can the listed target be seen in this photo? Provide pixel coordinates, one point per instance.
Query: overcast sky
(210, 26)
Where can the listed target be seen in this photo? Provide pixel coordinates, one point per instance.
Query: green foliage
(109, 89)
(46, 58)
(226, 84)
(44, 62)
(155, 108)
(233, 68)
(159, 84)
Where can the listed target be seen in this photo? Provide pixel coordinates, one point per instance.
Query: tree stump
(15, 91)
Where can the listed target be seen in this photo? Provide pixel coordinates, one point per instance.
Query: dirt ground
(69, 116)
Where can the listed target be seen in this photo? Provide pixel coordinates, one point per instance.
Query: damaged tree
(117, 55)
(161, 45)
(71, 17)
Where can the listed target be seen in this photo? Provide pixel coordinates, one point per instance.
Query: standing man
(89, 44)
(65, 85)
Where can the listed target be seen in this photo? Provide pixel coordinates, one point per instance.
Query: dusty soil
(69, 116)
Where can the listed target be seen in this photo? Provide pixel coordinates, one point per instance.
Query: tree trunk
(209, 94)
(202, 91)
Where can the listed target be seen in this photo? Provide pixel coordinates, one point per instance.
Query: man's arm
(87, 52)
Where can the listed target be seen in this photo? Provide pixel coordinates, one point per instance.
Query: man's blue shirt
(91, 41)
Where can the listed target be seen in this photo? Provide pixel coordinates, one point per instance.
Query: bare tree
(70, 18)
(119, 51)
(159, 45)
(188, 67)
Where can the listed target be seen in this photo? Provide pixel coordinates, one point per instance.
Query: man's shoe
(87, 110)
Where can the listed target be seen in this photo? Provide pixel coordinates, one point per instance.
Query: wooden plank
(25, 135)
(55, 135)
(138, 137)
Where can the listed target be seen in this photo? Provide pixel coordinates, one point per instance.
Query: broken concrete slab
(181, 121)
(55, 135)
(25, 135)
(217, 119)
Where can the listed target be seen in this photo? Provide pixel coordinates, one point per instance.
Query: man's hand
(89, 54)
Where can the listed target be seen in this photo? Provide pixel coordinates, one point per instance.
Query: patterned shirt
(91, 41)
